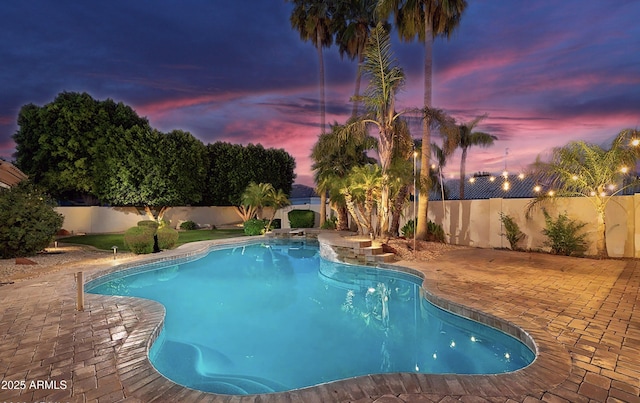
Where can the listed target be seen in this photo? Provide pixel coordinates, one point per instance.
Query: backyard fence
(465, 222)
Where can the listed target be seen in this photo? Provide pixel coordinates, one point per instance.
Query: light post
(415, 192)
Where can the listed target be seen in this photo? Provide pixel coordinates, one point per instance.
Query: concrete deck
(584, 316)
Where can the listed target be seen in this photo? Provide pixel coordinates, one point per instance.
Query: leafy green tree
(588, 170)
(231, 167)
(154, 170)
(28, 222)
(313, 21)
(60, 144)
(464, 139)
(225, 181)
(426, 19)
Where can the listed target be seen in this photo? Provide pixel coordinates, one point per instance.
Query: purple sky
(546, 72)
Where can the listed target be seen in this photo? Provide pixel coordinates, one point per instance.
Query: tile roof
(10, 175)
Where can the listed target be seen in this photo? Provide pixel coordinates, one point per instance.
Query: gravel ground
(52, 260)
(425, 251)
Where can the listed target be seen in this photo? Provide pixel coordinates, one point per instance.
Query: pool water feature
(271, 317)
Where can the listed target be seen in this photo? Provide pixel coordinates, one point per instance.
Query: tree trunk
(601, 243)
(343, 218)
(321, 65)
(423, 202)
(354, 214)
(463, 163)
(385, 153)
(398, 204)
(356, 94)
(323, 208)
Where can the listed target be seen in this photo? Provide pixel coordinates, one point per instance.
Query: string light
(551, 193)
(574, 177)
(537, 188)
(521, 176)
(505, 185)
(624, 170)
(472, 179)
(492, 178)
(635, 142)
(505, 174)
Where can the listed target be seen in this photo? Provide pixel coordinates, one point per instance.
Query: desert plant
(139, 240)
(563, 235)
(301, 218)
(408, 229)
(28, 222)
(189, 225)
(511, 230)
(331, 223)
(167, 238)
(254, 227)
(435, 233)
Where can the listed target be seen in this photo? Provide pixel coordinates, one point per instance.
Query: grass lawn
(106, 241)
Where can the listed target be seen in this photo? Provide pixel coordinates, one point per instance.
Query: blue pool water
(272, 317)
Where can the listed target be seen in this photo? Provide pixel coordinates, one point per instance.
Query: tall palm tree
(588, 170)
(313, 20)
(386, 78)
(426, 19)
(466, 138)
(353, 23)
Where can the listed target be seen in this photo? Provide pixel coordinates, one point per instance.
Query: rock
(24, 260)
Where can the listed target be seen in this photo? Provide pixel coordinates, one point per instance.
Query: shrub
(28, 222)
(512, 231)
(149, 224)
(189, 225)
(435, 233)
(254, 227)
(563, 235)
(167, 238)
(331, 223)
(139, 240)
(408, 229)
(301, 218)
(152, 226)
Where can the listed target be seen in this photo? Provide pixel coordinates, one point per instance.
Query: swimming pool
(270, 317)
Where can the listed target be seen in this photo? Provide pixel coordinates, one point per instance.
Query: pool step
(191, 370)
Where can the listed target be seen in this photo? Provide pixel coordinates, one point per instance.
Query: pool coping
(139, 378)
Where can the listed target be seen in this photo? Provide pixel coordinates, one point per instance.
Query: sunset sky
(546, 72)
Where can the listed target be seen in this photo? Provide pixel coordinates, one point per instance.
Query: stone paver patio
(583, 314)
